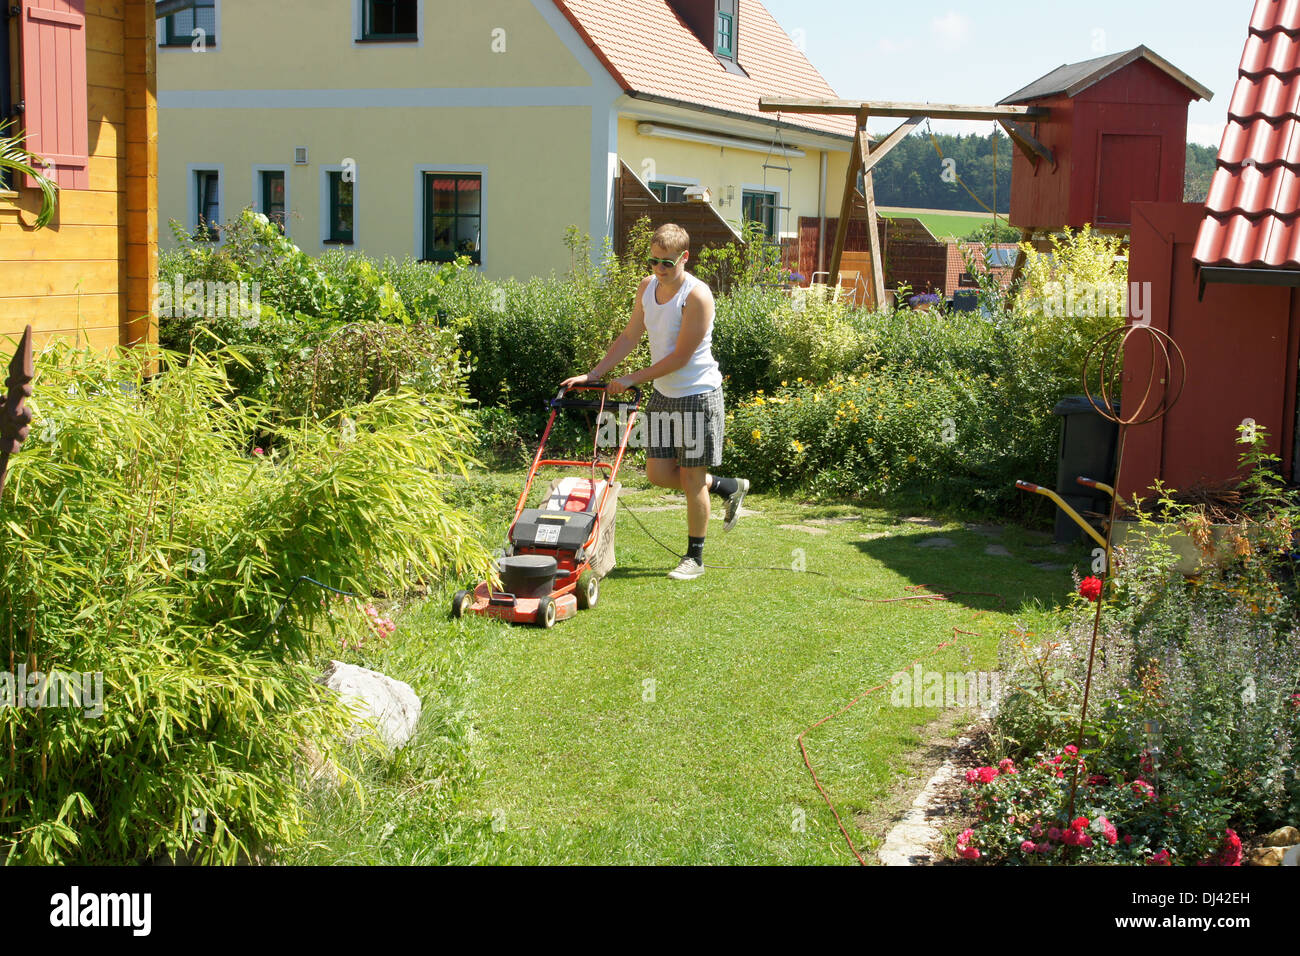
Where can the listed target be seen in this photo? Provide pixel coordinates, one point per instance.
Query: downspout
(821, 216)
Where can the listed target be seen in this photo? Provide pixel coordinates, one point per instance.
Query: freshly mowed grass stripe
(944, 225)
(580, 766)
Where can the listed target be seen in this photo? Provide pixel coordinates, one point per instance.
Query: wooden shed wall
(89, 275)
(1241, 344)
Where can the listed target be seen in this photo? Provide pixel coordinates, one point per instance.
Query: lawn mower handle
(559, 401)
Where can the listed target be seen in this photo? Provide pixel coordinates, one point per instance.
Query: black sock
(695, 548)
(723, 486)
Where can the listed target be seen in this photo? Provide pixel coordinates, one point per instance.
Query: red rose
(1090, 587)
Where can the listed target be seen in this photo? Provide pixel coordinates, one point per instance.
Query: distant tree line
(1200, 170)
(914, 175)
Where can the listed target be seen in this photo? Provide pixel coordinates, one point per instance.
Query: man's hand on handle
(615, 387)
(584, 379)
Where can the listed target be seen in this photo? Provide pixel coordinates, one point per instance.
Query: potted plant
(1212, 526)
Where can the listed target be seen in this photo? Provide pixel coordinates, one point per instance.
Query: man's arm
(622, 346)
(697, 314)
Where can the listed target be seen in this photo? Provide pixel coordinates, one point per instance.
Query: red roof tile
(1266, 96)
(1253, 209)
(1266, 143)
(1252, 191)
(957, 264)
(1271, 15)
(648, 49)
(1273, 53)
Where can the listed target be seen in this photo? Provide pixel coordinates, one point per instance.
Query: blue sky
(958, 51)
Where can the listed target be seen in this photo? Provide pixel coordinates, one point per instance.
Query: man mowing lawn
(685, 411)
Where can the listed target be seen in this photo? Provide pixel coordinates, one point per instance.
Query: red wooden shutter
(54, 87)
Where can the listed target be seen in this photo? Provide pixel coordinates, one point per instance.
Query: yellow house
(77, 76)
(407, 127)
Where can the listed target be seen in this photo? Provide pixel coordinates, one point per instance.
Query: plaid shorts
(687, 428)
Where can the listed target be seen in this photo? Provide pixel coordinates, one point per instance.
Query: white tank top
(662, 325)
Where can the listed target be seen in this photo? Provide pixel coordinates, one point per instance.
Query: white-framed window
(387, 21)
(197, 28)
(205, 209)
(338, 205)
(271, 194)
(451, 213)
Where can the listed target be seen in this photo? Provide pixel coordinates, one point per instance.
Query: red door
(1128, 171)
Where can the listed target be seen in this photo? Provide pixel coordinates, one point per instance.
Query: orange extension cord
(918, 592)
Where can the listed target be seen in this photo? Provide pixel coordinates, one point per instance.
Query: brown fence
(632, 200)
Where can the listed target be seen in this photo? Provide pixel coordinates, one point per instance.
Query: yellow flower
(783, 384)
(911, 458)
(870, 440)
(909, 381)
(908, 405)
(757, 434)
(796, 446)
(758, 400)
(799, 379)
(880, 418)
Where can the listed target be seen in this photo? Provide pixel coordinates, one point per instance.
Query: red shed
(1224, 279)
(1118, 134)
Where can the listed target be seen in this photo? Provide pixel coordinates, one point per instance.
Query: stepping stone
(935, 543)
(988, 530)
(873, 536)
(803, 528)
(1049, 566)
(997, 551)
(926, 522)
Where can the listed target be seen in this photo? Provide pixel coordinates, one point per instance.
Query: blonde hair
(671, 238)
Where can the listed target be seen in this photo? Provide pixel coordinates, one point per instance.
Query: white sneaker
(688, 570)
(733, 503)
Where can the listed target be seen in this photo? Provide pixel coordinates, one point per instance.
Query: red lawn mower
(556, 555)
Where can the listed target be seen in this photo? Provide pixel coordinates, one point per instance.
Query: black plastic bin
(1087, 450)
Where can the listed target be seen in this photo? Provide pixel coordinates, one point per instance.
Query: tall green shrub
(141, 541)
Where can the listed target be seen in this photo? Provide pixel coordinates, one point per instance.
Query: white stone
(380, 704)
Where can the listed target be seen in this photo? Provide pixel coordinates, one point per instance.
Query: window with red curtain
(54, 114)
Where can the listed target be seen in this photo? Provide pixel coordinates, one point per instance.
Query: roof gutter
(729, 114)
(1246, 275)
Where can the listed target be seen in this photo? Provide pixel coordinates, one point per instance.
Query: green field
(943, 223)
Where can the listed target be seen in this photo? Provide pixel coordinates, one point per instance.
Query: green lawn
(944, 225)
(660, 726)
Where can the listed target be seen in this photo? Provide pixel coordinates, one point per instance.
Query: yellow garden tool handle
(1094, 483)
(1074, 515)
